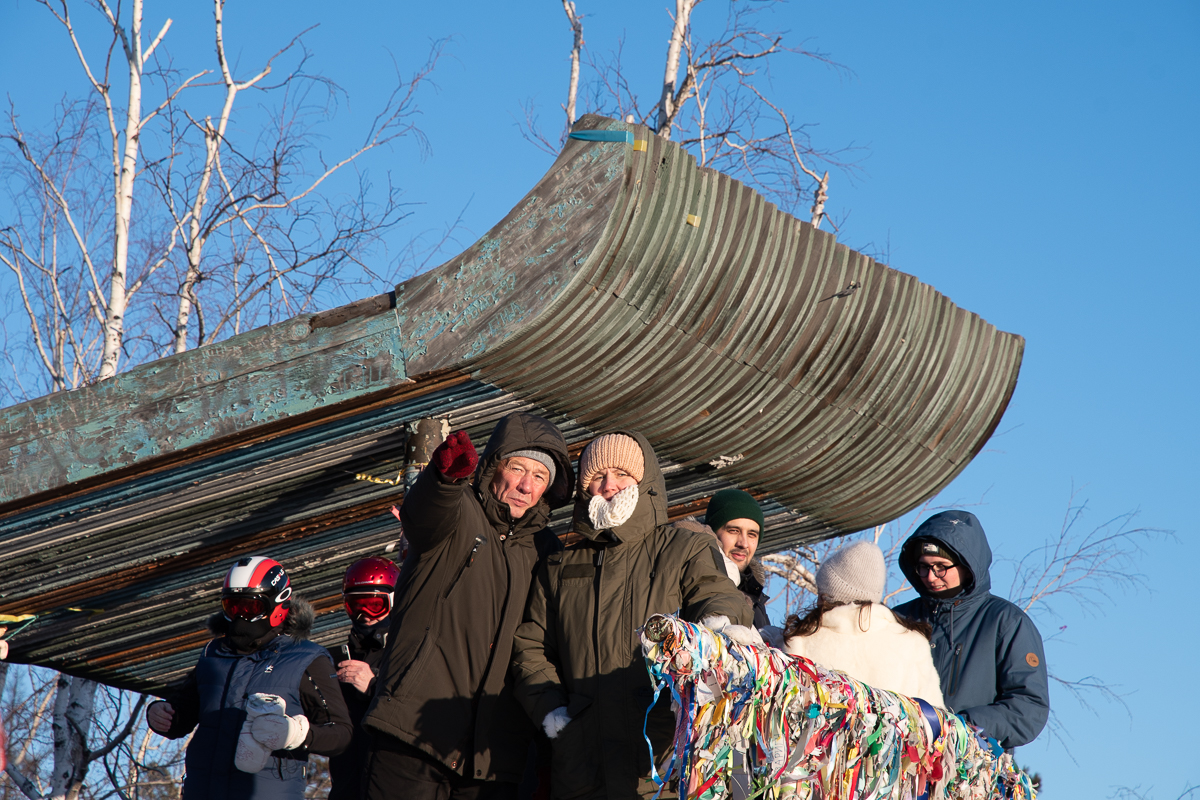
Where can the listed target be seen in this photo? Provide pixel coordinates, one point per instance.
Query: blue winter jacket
(212, 701)
(987, 651)
(225, 680)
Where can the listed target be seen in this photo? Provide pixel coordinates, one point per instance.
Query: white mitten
(251, 755)
(555, 721)
(744, 635)
(719, 623)
(280, 732)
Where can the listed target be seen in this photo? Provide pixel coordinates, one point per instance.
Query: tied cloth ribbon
(805, 731)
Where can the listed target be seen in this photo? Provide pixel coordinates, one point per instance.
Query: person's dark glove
(455, 458)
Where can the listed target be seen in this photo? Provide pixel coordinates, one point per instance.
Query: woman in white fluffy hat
(849, 629)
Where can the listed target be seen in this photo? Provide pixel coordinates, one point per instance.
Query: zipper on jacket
(596, 616)
(466, 565)
(955, 669)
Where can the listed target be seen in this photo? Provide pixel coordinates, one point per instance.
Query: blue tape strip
(935, 724)
(603, 136)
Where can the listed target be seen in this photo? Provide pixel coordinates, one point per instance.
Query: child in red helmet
(261, 698)
(368, 588)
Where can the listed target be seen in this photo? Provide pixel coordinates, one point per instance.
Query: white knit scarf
(611, 513)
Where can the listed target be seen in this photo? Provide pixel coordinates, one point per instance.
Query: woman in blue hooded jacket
(987, 651)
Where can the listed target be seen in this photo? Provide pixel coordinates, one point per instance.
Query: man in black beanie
(737, 521)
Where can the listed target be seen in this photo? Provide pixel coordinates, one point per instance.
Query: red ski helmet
(256, 587)
(368, 588)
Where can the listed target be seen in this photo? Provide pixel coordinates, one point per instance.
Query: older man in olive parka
(444, 722)
(577, 657)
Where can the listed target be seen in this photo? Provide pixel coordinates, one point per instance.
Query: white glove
(772, 635)
(719, 623)
(251, 755)
(555, 721)
(280, 732)
(744, 635)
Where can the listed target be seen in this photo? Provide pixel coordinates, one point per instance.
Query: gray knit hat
(537, 455)
(853, 572)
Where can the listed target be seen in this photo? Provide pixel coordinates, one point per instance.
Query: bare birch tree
(228, 231)
(138, 224)
(64, 728)
(714, 99)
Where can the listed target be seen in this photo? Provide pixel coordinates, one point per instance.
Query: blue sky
(1034, 162)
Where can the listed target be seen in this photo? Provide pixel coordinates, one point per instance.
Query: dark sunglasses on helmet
(371, 606)
(248, 607)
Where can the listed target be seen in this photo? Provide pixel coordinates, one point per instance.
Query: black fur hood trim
(298, 624)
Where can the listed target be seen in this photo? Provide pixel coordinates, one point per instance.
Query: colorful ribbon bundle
(808, 732)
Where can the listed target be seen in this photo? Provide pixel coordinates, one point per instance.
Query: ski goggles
(248, 607)
(371, 606)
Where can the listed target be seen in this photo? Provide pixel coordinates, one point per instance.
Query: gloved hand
(252, 755)
(555, 721)
(280, 732)
(719, 623)
(455, 458)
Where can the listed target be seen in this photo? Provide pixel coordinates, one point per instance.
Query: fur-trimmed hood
(757, 571)
(694, 525)
(298, 624)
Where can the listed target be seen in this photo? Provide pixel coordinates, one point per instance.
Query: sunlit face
(519, 483)
(609, 481)
(739, 540)
(929, 566)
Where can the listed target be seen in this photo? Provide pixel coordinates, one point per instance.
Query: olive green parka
(444, 684)
(579, 648)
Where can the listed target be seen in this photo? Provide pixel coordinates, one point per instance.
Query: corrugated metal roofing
(628, 289)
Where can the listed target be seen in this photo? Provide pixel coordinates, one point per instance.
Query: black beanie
(729, 504)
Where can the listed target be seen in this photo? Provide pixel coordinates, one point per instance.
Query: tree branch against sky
(142, 221)
(714, 99)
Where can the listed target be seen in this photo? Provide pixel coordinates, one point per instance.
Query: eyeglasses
(938, 570)
(370, 606)
(248, 607)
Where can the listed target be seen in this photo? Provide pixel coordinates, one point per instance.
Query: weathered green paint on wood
(259, 377)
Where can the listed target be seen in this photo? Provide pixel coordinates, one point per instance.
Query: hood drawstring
(864, 627)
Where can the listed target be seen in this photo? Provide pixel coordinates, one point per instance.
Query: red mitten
(456, 457)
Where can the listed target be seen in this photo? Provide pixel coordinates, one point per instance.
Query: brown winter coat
(578, 646)
(444, 685)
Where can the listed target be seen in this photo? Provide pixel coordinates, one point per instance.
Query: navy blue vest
(225, 680)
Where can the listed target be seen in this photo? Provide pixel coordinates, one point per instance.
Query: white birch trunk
(74, 703)
(666, 103)
(126, 172)
(820, 197)
(577, 29)
(213, 136)
(195, 239)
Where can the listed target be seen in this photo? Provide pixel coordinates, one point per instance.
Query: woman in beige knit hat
(576, 658)
(850, 630)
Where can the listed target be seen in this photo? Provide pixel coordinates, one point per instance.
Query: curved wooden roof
(629, 288)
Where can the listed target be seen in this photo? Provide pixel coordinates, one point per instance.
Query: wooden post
(424, 436)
